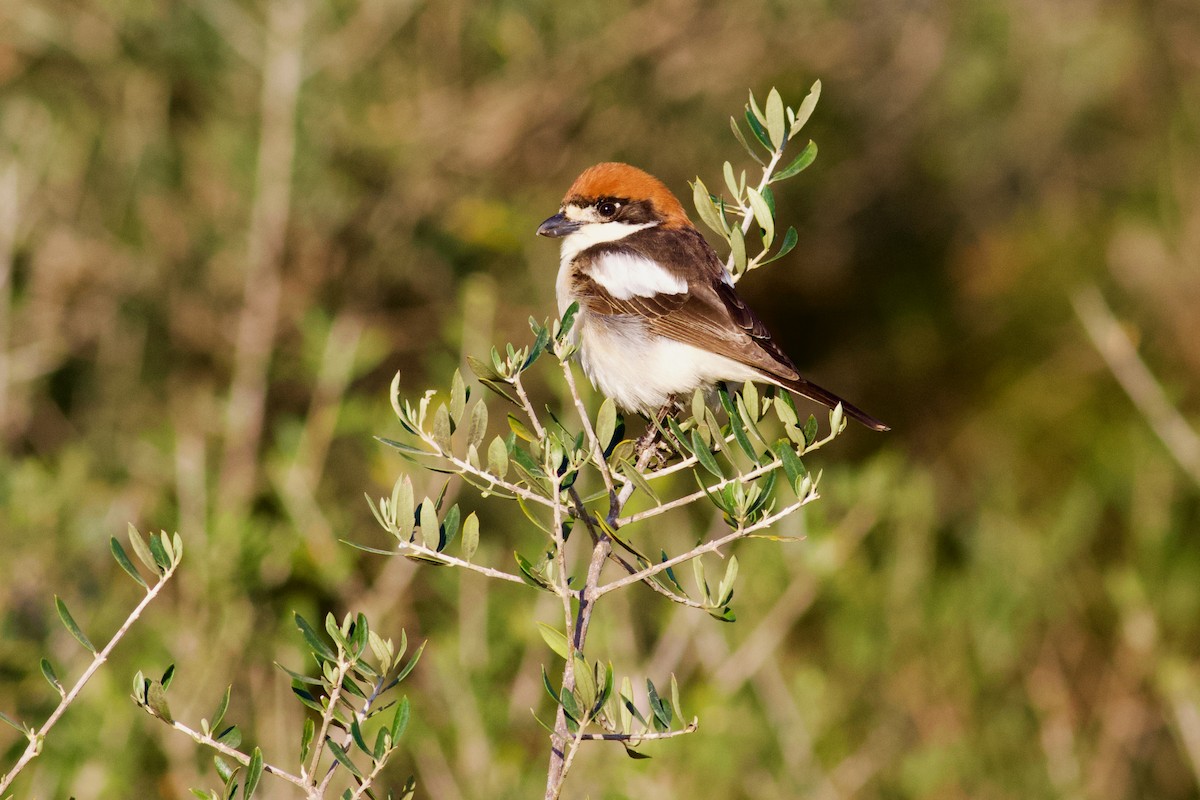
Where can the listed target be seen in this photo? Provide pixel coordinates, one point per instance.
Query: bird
(658, 315)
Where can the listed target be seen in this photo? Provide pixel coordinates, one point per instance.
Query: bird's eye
(608, 208)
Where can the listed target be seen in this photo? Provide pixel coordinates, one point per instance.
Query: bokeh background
(224, 225)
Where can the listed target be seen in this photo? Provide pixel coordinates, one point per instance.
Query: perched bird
(658, 315)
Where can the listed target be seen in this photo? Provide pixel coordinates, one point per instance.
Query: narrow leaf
(458, 397)
(141, 550)
(555, 638)
(737, 134)
(477, 428)
(253, 774)
(800, 163)
(498, 458)
(69, 623)
(606, 423)
(762, 215)
(705, 456)
(123, 559)
(776, 122)
(51, 677)
(470, 536)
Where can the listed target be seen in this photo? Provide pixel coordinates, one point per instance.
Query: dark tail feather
(828, 398)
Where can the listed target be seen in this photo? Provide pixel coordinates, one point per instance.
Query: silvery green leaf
(441, 428)
(801, 162)
(470, 536)
(750, 396)
(737, 247)
(758, 114)
(725, 591)
(458, 397)
(776, 122)
(555, 638)
(404, 507)
(498, 458)
(762, 215)
(606, 423)
(705, 208)
(806, 107)
(731, 182)
(141, 550)
(430, 534)
(737, 134)
(477, 428)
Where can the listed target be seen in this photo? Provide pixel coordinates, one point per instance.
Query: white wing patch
(624, 276)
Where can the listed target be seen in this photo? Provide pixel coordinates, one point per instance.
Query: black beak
(557, 226)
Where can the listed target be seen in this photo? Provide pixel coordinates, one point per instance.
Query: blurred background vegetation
(224, 225)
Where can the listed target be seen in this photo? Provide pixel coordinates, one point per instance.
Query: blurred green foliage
(225, 225)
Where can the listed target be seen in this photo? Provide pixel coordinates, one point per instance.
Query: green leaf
(477, 428)
(806, 107)
(736, 425)
(750, 398)
(785, 409)
(458, 397)
(314, 642)
(520, 430)
(800, 163)
(470, 536)
(123, 560)
(253, 773)
(606, 423)
(69, 623)
(141, 550)
(705, 208)
(442, 430)
(156, 701)
(760, 133)
(737, 248)
(776, 122)
(731, 181)
(675, 698)
(793, 467)
(400, 719)
(306, 738)
(450, 526)
(51, 677)
(705, 456)
(6, 719)
(357, 737)
(789, 242)
(762, 215)
(701, 582)
(555, 638)
(168, 676)
(483, 370)
(403, 507)
(661, 711)
(531, 575)
(725, 590)
(758, 114)
(498, 458)
(737, 134)
(343, 757)
(810, 430)
(225, 770)
(162, 559)
(223, 706)
(431, 534)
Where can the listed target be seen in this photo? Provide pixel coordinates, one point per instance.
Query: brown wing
(710, 316)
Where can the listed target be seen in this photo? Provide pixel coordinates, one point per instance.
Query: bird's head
(610, 201)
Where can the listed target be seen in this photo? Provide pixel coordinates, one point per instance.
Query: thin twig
(238, 755)
(634, 739)
(452, 561)
(748, 213)
(36, 738)
(597, 449)
(708, 547)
